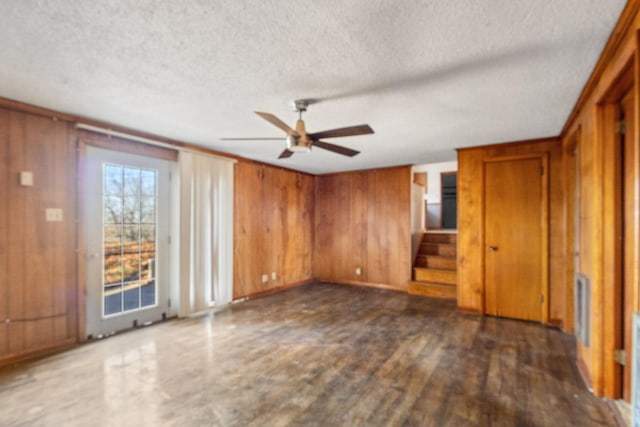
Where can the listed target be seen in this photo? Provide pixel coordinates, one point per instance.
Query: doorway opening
(449, 195)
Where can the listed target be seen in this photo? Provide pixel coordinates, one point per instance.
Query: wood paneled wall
(363, 221)
(471, 222)
(37, 258)
(273, 221)
(585, 130)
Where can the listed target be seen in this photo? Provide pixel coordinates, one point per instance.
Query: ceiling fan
(299, 141)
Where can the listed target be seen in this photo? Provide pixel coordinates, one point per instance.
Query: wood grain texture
(629, 208)
(597, 232)
(5, 245)
(38, 279)
(571, 154)
(315, 355)
(435, 290)
(471, 199)
(273, 228)
(615, 73)
(515, 226)
(420, 178)
(363, 221)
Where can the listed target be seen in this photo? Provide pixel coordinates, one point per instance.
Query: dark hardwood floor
(317, 355)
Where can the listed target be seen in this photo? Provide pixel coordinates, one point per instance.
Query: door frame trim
(544, 291)
(610, 337)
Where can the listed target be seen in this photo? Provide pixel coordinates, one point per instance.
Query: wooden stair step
(436, 261)
(440, 238)
(435, 290)
(435, 275)
(443, 249)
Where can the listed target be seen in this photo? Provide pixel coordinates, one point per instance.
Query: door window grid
(129, 223)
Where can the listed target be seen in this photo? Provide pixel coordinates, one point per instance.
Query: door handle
(492, 248)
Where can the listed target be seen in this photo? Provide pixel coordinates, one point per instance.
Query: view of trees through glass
(129, 238)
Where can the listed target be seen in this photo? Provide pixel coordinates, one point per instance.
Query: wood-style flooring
(317, 355)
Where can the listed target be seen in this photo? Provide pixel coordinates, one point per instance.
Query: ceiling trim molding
(366, 170)
(514, 143)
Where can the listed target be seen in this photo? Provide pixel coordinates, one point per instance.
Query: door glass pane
(112, 299)
(113, 209)
(147, 252)
(148, 293)
(131, 209)
(132, 296)
(112, 179)
(131, 253)
(129, 238)
(147, 210)
(112, 254)
(148, 183)
(132, 181)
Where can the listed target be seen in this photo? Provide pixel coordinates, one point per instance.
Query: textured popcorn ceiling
(427, 76)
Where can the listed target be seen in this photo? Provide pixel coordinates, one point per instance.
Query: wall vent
(582, 308)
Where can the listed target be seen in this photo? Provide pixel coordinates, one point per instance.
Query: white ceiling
(427, 76)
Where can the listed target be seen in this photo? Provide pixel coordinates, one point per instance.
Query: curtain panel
(206, 232)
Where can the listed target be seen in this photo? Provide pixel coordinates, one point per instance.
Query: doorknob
(492, 248)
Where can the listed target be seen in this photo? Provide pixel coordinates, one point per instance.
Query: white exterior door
(127, 223)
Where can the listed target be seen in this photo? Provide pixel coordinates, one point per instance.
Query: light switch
(53, 215)
(26, 179)
(273, 275)
(265, 278)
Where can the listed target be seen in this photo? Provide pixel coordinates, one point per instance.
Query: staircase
(434, 269)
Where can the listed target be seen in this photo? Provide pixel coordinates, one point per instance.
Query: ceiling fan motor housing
(299, 143)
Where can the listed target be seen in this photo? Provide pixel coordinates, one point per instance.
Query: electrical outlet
(53, 215)
(273, 276)
(358, 271)
(265, 278)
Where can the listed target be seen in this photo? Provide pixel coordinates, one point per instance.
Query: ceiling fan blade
(251, 139)
(335, 148)
(348, 131)
(286, 153)
(277, 122)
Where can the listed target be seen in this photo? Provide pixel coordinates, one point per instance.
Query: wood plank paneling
(5, 243)
(297, 261)
(38, 280)
(17, 254)
(273, 228)
(470, 208)
(363, 221)
(36, 285)
(591, 120)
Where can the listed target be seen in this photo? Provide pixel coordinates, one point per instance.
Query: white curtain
(206, 232)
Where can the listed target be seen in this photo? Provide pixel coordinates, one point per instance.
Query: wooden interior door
(516, 238)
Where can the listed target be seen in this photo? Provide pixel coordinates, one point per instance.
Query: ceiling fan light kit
(298, 144)
(299, 141)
